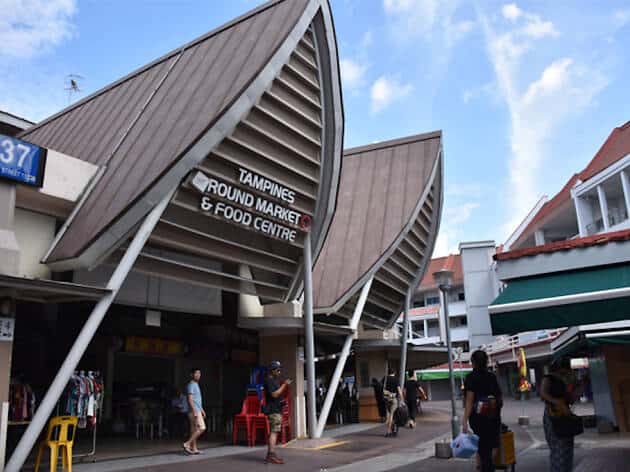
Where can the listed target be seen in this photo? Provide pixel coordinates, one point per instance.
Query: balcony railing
(506, 343)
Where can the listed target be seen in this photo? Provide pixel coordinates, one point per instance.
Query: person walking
(273, 409)
(483, 402)
(196, 413)
(411, 391)
(393, 396)
(380, 400)
(558, 399)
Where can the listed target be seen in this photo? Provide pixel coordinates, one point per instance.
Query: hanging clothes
(83, 398)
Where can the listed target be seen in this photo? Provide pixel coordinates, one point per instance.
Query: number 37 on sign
(21, 161)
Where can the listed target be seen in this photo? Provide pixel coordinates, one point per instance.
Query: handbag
(567, 426)
(401, 415)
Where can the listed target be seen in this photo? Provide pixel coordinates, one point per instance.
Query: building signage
(238, 205)
(153, 345)
(22, 161)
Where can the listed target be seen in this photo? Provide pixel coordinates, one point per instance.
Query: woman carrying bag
(483, 402)
(393, 397)
(561, 425)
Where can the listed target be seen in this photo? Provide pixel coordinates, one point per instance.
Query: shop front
(209, 173)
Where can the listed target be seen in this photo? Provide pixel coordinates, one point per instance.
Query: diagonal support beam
(85, 336)
(404, 339)
(343, 357)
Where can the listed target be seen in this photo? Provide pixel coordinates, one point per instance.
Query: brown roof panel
(142, 124)
(380, 187)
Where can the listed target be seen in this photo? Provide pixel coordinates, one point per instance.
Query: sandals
(188, 450)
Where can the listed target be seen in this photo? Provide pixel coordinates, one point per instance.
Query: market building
(195, 213)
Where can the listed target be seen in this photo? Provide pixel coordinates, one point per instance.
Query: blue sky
(525, 92)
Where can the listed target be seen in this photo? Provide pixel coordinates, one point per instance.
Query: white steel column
(625, 183)
(309, 337)
(603, 206)
(403, 340)
(426, 328)
(58, 385)
(343, 357)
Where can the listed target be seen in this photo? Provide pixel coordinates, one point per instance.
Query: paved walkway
(363, 448)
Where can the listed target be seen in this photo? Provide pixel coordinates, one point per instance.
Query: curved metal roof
(388, 211)
(149, 129)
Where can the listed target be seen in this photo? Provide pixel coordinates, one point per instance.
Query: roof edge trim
(332, 123)
(393, 142)
(112, 237)
(435, 228)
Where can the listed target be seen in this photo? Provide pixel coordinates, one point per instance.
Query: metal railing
(511, 343)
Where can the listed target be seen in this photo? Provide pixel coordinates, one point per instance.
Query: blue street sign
(22, 161)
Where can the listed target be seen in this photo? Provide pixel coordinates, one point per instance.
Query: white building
(474, 287)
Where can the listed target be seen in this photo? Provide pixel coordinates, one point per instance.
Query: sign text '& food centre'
(244, 200)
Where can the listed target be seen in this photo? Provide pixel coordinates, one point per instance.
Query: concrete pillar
(480, 286)
(9, 265)
(603, 205)
(625, 183)
(286, 349)
(9, 248)
(584, 213)
(426, 328)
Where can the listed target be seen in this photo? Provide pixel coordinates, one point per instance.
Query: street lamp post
(444, 279)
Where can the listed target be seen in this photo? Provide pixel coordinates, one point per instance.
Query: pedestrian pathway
(363, 448)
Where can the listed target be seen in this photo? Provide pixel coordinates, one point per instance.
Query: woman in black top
(557, 399)
(483, 405)
(411, 397)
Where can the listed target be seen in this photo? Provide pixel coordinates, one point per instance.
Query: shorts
(275, 422)
(392, 405)
(197, 422)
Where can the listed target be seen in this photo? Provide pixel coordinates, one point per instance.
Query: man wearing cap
(273, 409)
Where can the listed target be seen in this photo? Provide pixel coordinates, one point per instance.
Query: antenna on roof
(72, 85)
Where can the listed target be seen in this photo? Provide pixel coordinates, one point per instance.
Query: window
(418, 303)
(432, 301)
(461, 296)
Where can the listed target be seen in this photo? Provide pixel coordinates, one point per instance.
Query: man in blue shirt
(196, 413)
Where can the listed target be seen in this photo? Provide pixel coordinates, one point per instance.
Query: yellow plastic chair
(60, 440)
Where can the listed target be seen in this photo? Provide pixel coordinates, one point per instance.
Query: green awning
(587, 296)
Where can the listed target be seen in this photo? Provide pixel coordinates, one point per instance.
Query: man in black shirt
(273, 409)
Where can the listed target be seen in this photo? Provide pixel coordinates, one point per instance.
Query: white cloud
(511, 12)
(537, 109)
(621, 18)
(28, 27)
(431, 20)
(450, 233)
(352, 73)
(537, 29)
(386, 90)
